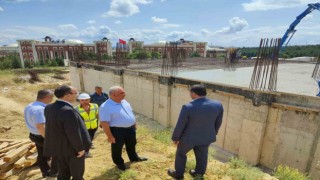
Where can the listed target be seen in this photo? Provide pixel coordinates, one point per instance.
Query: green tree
(195, 54)
(59, 61)
(15, 62)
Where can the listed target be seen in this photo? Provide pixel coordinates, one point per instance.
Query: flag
(122, 41)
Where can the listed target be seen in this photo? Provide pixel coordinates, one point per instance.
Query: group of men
(64, 133)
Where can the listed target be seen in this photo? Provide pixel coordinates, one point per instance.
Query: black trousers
(92, 132)
(200, 152)
(42, 161)
(71, 166)
(123, 136)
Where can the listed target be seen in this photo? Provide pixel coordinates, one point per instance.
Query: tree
(195, 54)
(15, 62)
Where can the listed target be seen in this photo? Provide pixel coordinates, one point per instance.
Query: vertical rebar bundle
(316, 71)
(264, 76)
(121, 55)
(171, 59)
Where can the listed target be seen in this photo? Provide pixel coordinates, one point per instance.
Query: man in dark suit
(66, 135)
(198, 124)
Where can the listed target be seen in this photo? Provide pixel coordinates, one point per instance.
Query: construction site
(271, 110)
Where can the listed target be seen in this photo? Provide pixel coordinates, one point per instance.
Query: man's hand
(80, 154)
(111, 140)
(176, 143)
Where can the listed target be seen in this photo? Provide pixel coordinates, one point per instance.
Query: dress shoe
(194, 174)
(172, 173)
(140, 159)
(53, 174)
(122, 167)
(49, 174)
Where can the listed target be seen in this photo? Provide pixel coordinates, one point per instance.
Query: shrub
(283, 172)
(53, 63)
(28, 64)
(60, 62)
(15, 63)
(239, 169)
(195, 54)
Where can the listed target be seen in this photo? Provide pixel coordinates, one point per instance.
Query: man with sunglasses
(66, 135)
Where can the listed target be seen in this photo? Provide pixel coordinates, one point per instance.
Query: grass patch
(164, 136)
(283, 172)
(128, 174)
(191, 164)
(239, 169)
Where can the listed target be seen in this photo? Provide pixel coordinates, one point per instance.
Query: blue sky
(218, 22)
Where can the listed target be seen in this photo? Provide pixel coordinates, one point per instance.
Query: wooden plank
(5, 169)
(4, 164)
(14, 146)
(32, 151)
(33, 156)
(4, 154)
(3, 145)
(11, 172)
(20, 162)
(31, 160)
(7, 140)
(14, 142)
(19, 152)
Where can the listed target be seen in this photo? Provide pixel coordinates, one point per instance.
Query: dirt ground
(153, 139)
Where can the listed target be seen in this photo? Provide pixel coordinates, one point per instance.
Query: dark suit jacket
(65, 132)
(199, 122)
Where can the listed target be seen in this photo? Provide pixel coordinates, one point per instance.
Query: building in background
(8, 50)
(190, 46)
(51, 49)
(34, 50)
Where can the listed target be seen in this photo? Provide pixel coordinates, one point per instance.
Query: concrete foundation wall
(262, 128)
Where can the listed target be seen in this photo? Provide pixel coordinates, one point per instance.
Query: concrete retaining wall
(260, 127)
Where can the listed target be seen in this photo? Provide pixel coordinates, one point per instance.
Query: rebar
(264, 76)
(316, 71)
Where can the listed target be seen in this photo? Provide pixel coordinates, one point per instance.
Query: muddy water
(292, 78)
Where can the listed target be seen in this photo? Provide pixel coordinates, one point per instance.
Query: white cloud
(205, 32)
(1, 9)
(171, 25)
(91, 22)
(236, 24)
(117, 22)
(308, 17)
(74, 41)
(162, 0)
(67, 27)
(16, 1)
(159, 20)
(124, 8)
(176, 35)
(265, 5)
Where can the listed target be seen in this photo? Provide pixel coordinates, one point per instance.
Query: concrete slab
(292, 78)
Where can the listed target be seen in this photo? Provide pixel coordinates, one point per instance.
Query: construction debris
(15, 155)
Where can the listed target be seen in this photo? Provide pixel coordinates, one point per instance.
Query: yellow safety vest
(90, 119)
